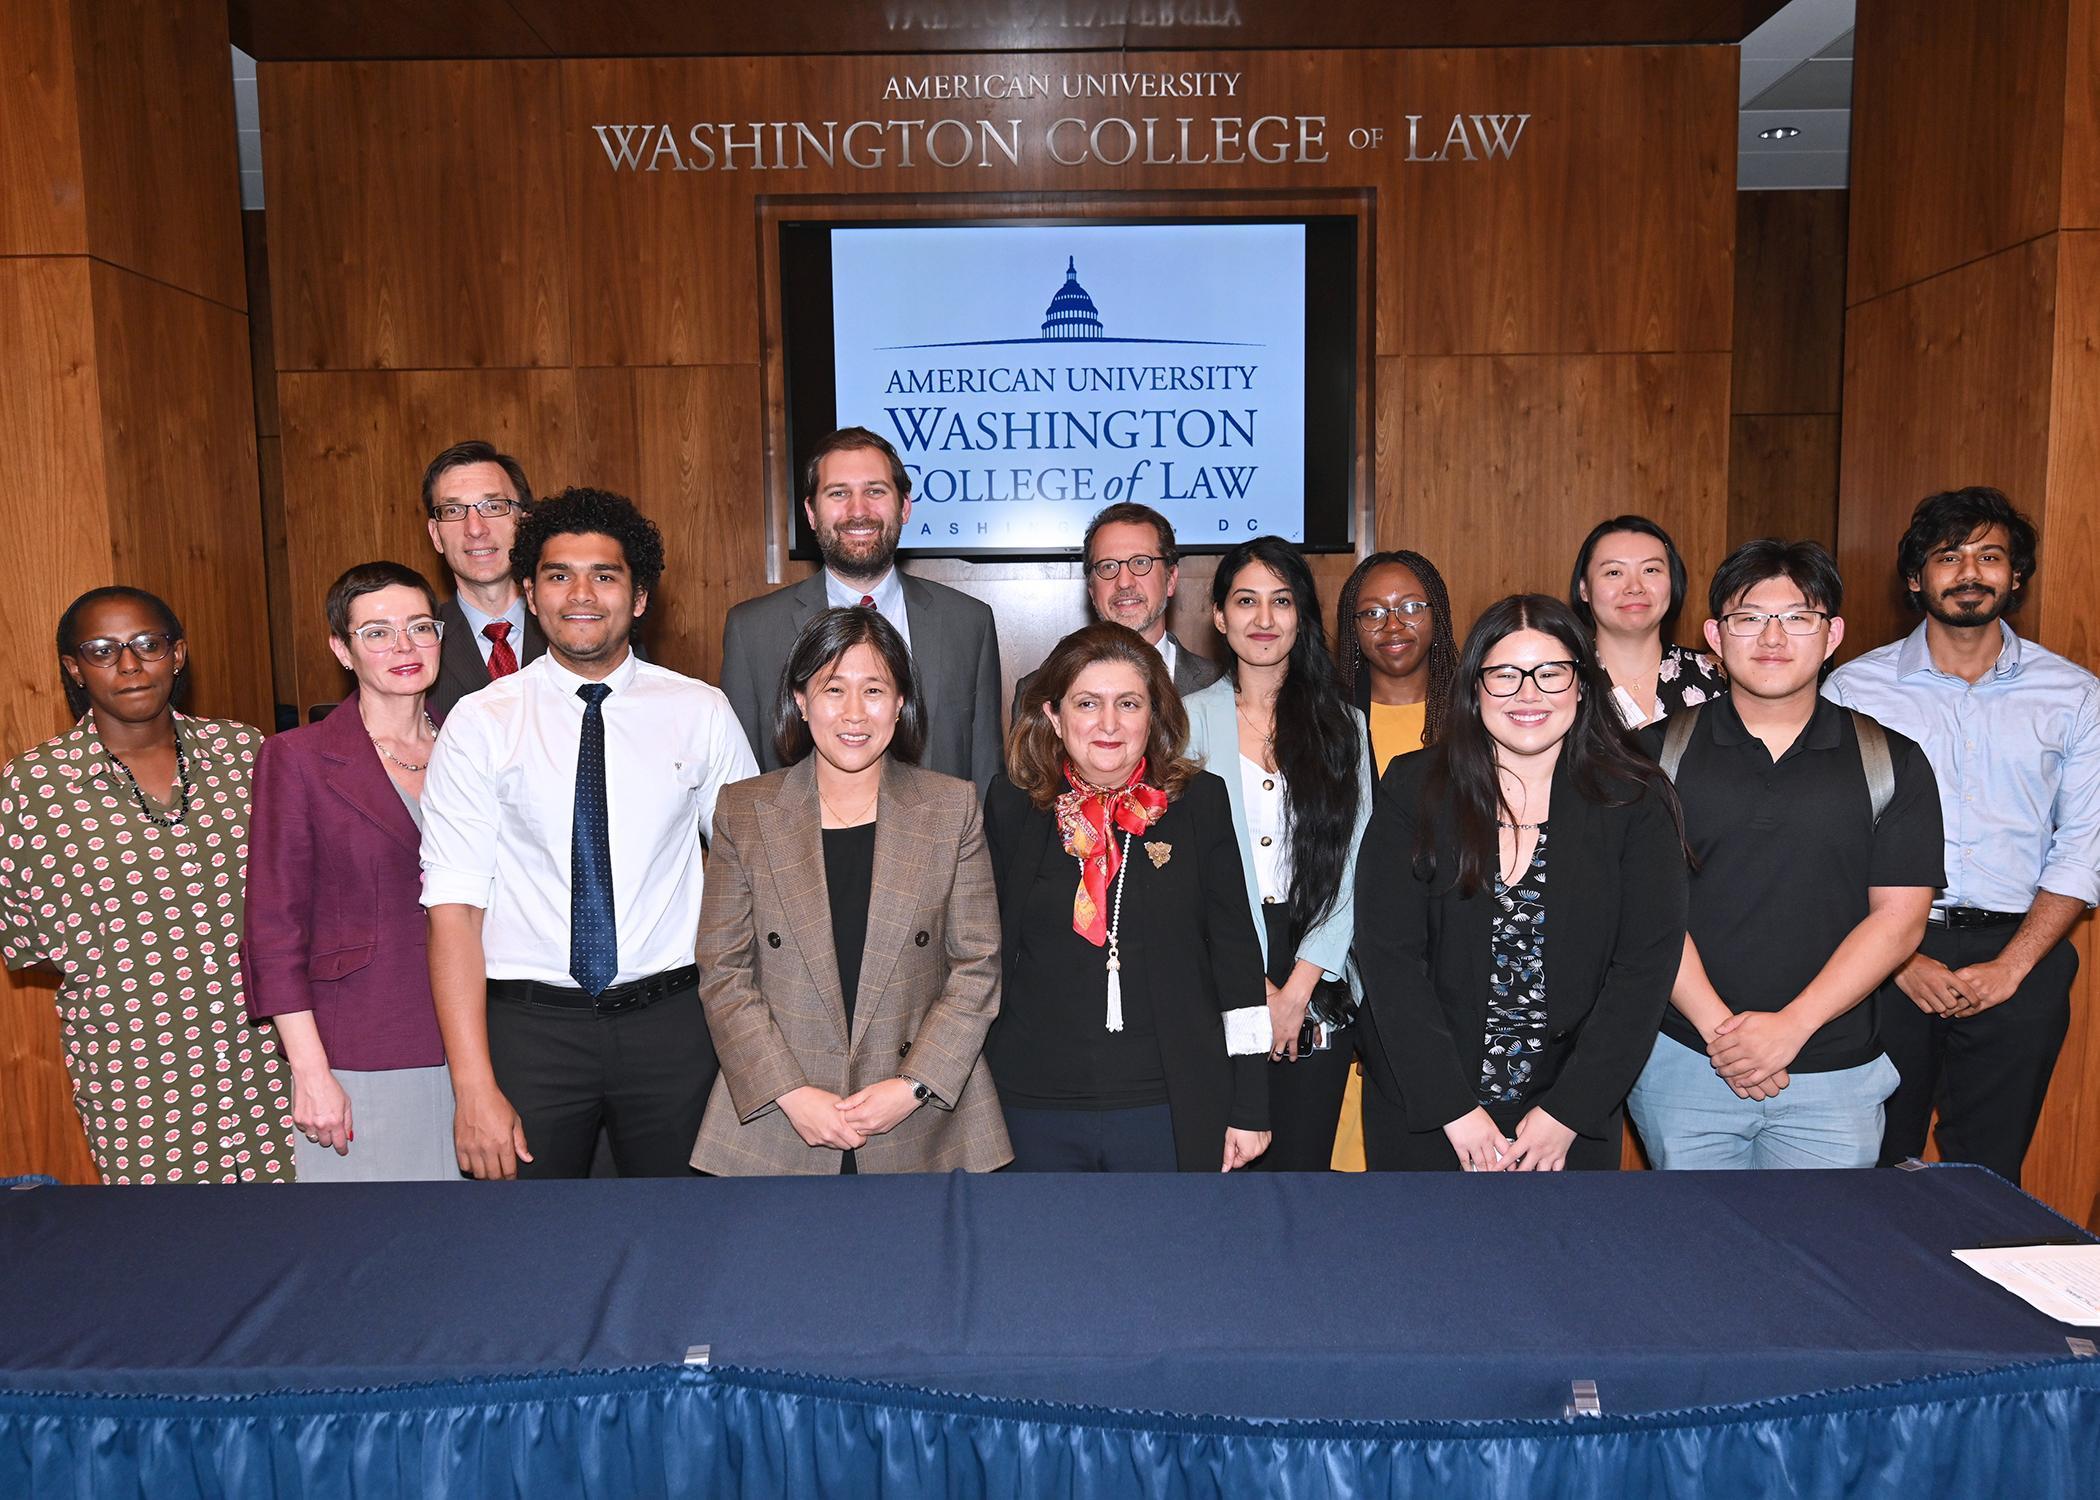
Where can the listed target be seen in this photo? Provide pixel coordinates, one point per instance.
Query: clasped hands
(1956, 993)
(822, 1118)
(1752, 1050)
(1541, 1143)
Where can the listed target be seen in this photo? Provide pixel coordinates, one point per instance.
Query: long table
(1449, 1310)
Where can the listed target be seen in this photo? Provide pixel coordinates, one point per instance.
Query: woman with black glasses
(1521, 912)
(122, 867)
(1396, 651)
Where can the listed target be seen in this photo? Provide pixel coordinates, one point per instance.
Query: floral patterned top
(1516, 1019)
(143, 924)
(1687, 677)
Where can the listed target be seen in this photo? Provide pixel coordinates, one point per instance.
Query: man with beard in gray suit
(857, 496)
(1131, 569)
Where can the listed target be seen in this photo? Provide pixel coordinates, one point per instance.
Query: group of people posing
(1419, 901)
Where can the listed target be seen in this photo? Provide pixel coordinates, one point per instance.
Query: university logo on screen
(1015, 436)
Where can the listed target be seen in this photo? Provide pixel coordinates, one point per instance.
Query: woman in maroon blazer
(335, 950)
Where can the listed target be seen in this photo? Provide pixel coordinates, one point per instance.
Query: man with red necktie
(473, 497)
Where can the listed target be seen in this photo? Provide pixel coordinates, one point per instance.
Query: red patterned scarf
(1084, 818)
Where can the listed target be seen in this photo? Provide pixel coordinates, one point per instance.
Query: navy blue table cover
(1452, 1309)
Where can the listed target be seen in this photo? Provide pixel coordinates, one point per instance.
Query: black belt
(1955, 918)
(632, 995)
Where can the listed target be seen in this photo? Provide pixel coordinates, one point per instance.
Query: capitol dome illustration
(1071, 314)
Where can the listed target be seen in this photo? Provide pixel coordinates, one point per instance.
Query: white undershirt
(1263, 793)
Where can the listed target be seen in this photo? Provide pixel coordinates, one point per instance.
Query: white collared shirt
(499, 805)
(477, 622)
(1168, 652)
(888, 596)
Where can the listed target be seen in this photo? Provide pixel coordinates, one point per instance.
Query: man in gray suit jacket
(1131, 569)
(857, 495)
(473, 496)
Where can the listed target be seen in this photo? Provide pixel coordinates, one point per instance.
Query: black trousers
(1986, 1074)
(1305, 1097)
(642, 1074)
(1093, 1140)
(1389, 1146)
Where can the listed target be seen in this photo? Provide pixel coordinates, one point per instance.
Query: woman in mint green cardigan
(1295, 759)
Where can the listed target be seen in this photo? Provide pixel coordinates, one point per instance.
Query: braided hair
(1443, 644)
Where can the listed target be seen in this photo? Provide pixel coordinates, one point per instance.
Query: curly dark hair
(1949, 519)
(577, 510)
(1443, 640)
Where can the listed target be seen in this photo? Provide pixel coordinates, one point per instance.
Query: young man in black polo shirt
(1804, 900)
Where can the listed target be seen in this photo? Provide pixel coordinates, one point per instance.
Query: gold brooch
(1161, 852)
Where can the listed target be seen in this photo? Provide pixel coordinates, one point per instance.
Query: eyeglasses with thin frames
(1407, 612)
(491, 510)
(1745, 623)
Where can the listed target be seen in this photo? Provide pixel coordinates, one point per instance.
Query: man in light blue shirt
(1975, 1018)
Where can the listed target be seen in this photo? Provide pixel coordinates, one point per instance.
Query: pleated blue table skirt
(1749, 1334)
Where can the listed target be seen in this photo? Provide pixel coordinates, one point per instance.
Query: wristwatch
(919, 1092)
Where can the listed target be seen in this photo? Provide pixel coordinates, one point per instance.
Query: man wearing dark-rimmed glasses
(473, 497)
(1132, 566)
(1817, 838)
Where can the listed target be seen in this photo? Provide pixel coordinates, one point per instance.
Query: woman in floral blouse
(123, 853)
(1628, 587)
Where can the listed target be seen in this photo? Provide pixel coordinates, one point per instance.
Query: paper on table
(2062, 1281)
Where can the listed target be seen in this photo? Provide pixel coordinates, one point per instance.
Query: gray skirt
(403, 1121)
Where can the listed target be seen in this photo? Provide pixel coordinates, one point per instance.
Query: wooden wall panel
(419, 213)
(158, 146)
(178, 426)
(1947, 383)
(42, 210)
(1510, 462)
(1957, 112)
(2081, 139)
(355, 446)
(1783, 478)
(683, 445)
(1612, 229)
(1789, 302)
(50, 407)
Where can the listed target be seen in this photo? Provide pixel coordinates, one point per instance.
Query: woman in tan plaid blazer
(849, 935)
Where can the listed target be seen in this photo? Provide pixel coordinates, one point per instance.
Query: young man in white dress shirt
(561, 867)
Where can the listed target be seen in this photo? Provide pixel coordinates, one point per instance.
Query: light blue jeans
(1690, 1120)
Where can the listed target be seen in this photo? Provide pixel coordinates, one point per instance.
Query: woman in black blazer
(1520, 907)
(1133, 1034)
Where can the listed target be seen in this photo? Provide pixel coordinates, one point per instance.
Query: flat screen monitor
(1031, 372)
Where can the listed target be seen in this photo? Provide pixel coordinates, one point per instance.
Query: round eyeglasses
(1406, 612)
(1107, 568)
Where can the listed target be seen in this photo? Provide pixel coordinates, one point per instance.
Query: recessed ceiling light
(1778, 133)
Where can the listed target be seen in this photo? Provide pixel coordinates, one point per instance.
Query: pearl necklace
(390, 755)
(1115, 951)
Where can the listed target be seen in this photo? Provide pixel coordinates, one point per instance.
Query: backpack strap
(1876, 761)
(1677, 737)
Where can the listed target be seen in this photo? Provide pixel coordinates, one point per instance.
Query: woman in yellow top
(1397, 650)
(1397, 654)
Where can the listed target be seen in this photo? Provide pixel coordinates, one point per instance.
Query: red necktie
(502, 660)
(867, 601)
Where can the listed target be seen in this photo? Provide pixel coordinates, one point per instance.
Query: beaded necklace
(182, 780)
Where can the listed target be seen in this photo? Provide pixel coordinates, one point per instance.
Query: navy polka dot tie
(594, 942)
